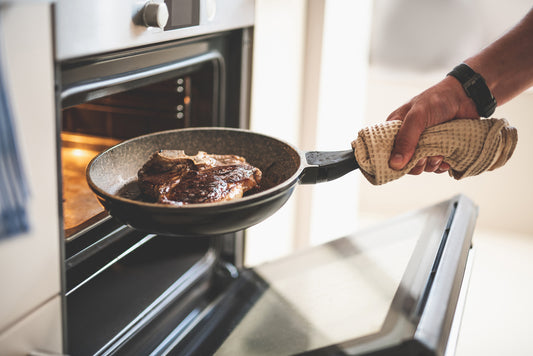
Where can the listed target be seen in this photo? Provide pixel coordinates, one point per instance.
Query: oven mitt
(469, 146)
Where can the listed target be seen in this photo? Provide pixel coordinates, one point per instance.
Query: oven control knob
(155, 14)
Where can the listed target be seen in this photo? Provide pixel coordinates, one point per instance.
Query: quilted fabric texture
(469, 146)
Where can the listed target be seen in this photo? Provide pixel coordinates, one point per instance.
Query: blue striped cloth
(13, 185)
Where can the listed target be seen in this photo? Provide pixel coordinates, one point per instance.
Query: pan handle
(326, 166)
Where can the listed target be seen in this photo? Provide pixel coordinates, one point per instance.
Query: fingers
(442, 102)
(419, 168)
(444, 167)
(430, 164)
(433, 163)
(399, 113)
(406, 140)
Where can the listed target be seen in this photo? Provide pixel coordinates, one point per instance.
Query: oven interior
(89, 128)
(127, 291)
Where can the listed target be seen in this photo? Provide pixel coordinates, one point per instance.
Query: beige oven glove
(469, 146)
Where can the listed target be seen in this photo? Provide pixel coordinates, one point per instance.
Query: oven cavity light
(76, 152)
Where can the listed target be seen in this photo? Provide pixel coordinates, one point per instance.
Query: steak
(172, 177)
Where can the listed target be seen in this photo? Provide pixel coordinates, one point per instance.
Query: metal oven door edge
(435, 324)
(461, 302)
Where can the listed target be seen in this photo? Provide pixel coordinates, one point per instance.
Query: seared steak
(172, 177)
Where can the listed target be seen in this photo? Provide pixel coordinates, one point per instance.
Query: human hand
(440, 103)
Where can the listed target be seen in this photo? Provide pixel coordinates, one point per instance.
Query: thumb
(405, 142)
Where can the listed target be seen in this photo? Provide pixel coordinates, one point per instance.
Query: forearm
(507, 67)
(507, 64)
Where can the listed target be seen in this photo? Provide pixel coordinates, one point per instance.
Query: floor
(499, 307)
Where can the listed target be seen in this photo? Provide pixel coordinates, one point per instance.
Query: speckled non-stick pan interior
(118, 166)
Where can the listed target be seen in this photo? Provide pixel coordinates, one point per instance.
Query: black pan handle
(326, 166)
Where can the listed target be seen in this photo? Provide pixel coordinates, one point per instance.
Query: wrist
(475, 88)
(461, 104)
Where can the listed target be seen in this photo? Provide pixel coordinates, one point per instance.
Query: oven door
(395, 289)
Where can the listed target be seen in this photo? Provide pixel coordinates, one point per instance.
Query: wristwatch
(476, 88)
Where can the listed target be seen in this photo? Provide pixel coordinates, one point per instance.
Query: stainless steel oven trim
(86, 28)
(453, 339)
(246, 78)
(434, 326)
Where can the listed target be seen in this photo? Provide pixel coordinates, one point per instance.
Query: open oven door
(395, 289)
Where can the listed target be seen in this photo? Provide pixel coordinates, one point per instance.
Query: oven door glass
(393, 287)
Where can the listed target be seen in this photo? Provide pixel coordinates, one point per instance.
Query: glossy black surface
(388, 290)
(106, 304)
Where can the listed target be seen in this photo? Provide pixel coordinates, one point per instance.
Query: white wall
(308, 88)
(498, 307)
(505, 195)
(276, 107)
(340, 95)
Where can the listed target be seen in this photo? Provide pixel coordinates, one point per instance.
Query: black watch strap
(476, 88)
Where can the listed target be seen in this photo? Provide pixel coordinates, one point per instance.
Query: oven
(127, 68)
(183, 64)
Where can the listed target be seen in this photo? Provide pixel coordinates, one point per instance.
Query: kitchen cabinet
(30, 277)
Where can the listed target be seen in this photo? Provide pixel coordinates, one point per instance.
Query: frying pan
(112, 175)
